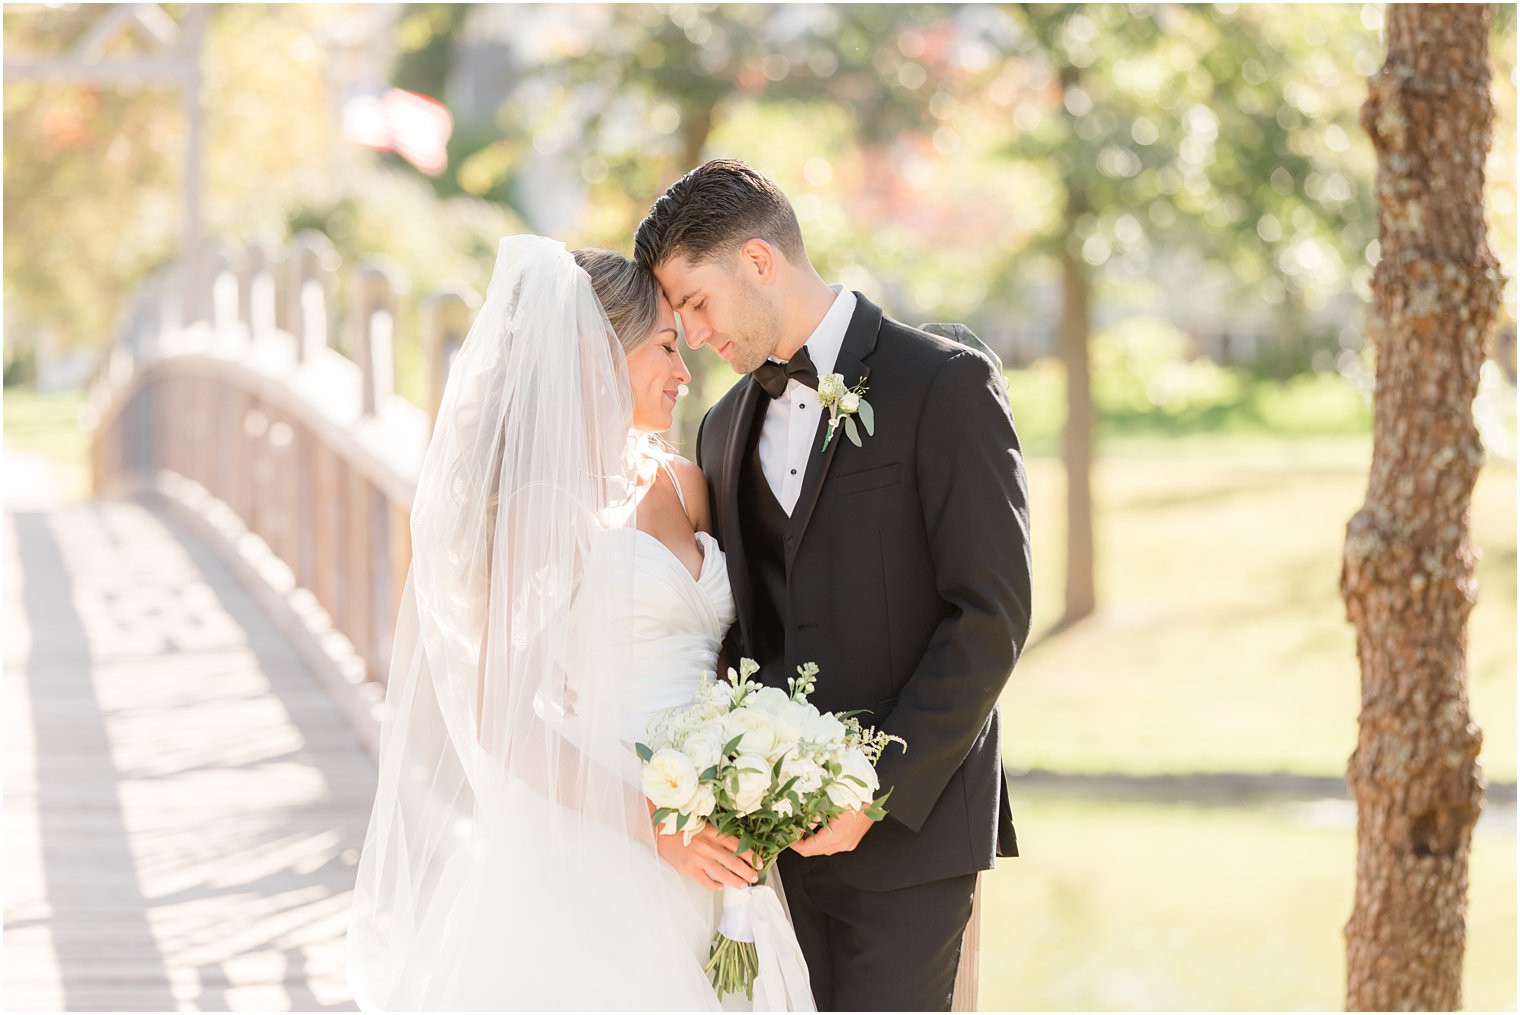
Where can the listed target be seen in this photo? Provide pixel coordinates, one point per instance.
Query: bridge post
(311, 268)
(222, 279)
(372, 329)
(372, 324)
(256, 291)
(446, 317)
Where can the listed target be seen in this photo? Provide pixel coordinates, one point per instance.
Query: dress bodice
(657, 629)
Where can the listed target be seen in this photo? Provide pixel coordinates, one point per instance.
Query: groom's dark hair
(714, 210)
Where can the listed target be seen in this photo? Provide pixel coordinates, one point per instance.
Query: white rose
(854, 763)
(770, 700)
(849, 403)
(755, 727)
(669, 778)
(704, 748)
(844, 794)
(703, 802)
(668, 827)
(754, 779)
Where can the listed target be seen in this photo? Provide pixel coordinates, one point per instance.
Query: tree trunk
(1077, 436)
(1407, 575)
(696, 126)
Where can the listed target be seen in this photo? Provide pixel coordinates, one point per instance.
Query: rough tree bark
(1407, 576)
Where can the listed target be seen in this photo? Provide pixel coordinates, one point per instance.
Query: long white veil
(509, 862)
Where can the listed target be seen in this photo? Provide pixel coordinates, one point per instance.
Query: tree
(1407, 576)
(1168, 127)
(92, 173)
(680, 68)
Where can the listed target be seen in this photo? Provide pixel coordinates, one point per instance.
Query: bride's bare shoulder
(694, 490)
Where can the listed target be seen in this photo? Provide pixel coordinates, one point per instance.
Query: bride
(564, 587)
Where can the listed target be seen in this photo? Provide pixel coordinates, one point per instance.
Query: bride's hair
(629, 294)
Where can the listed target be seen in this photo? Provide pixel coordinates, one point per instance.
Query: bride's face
(656, 373)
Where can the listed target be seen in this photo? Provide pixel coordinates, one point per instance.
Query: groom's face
(723, 305)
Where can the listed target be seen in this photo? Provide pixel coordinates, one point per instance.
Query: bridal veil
(509, 861)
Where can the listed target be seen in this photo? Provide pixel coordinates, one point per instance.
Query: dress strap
(671, 472)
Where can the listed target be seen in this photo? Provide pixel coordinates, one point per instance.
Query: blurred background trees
(1152, 204)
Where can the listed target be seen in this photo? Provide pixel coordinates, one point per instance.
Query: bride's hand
(710, 860)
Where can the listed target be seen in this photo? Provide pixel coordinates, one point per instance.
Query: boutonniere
(844, 404)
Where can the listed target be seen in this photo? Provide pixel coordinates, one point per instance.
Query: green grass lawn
(45, 423)
(1174, 907)
(1221, 641)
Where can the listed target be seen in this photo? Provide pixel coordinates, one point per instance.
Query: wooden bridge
(193, 660)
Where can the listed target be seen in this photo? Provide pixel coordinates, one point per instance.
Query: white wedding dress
(510, 862)
(678, 624)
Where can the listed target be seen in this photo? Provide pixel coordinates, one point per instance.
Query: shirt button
(794, 472)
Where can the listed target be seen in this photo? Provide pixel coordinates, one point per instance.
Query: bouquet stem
(733, 961)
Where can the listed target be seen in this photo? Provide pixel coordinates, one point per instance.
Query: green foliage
(384, 213)
(93, 173)
(1218, 129)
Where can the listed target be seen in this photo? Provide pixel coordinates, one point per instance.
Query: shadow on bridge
(184, 803)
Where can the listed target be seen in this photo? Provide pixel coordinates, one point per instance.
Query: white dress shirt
(791, 421)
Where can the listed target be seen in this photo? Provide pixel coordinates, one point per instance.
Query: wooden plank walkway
(184, 805)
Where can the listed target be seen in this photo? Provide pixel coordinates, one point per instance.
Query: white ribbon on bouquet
(757, 914)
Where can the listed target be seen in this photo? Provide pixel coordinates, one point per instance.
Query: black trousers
(877, 951)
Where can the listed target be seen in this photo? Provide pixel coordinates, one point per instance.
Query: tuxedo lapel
(859, 343)
(735, 447)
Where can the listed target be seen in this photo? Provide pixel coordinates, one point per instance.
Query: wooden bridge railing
(312, 449)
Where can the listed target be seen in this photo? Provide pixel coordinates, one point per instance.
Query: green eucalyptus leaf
(643, 751)
(868, 418)
(852, 432)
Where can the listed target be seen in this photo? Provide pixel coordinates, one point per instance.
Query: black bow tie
(773, 376)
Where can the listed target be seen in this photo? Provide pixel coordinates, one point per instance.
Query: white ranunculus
(754, 781)
(755, 727)
(849, 403)
(669, 778)
(704, 747)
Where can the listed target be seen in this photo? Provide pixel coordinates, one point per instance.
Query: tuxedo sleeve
(975, 500)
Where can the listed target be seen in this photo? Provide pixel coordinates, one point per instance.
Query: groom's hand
(710, 860)
(839, 836)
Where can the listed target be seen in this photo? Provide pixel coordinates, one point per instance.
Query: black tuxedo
(904, 573)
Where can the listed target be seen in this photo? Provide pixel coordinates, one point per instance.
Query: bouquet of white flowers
(762, 765)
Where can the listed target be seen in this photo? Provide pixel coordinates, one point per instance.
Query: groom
(900, 565)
